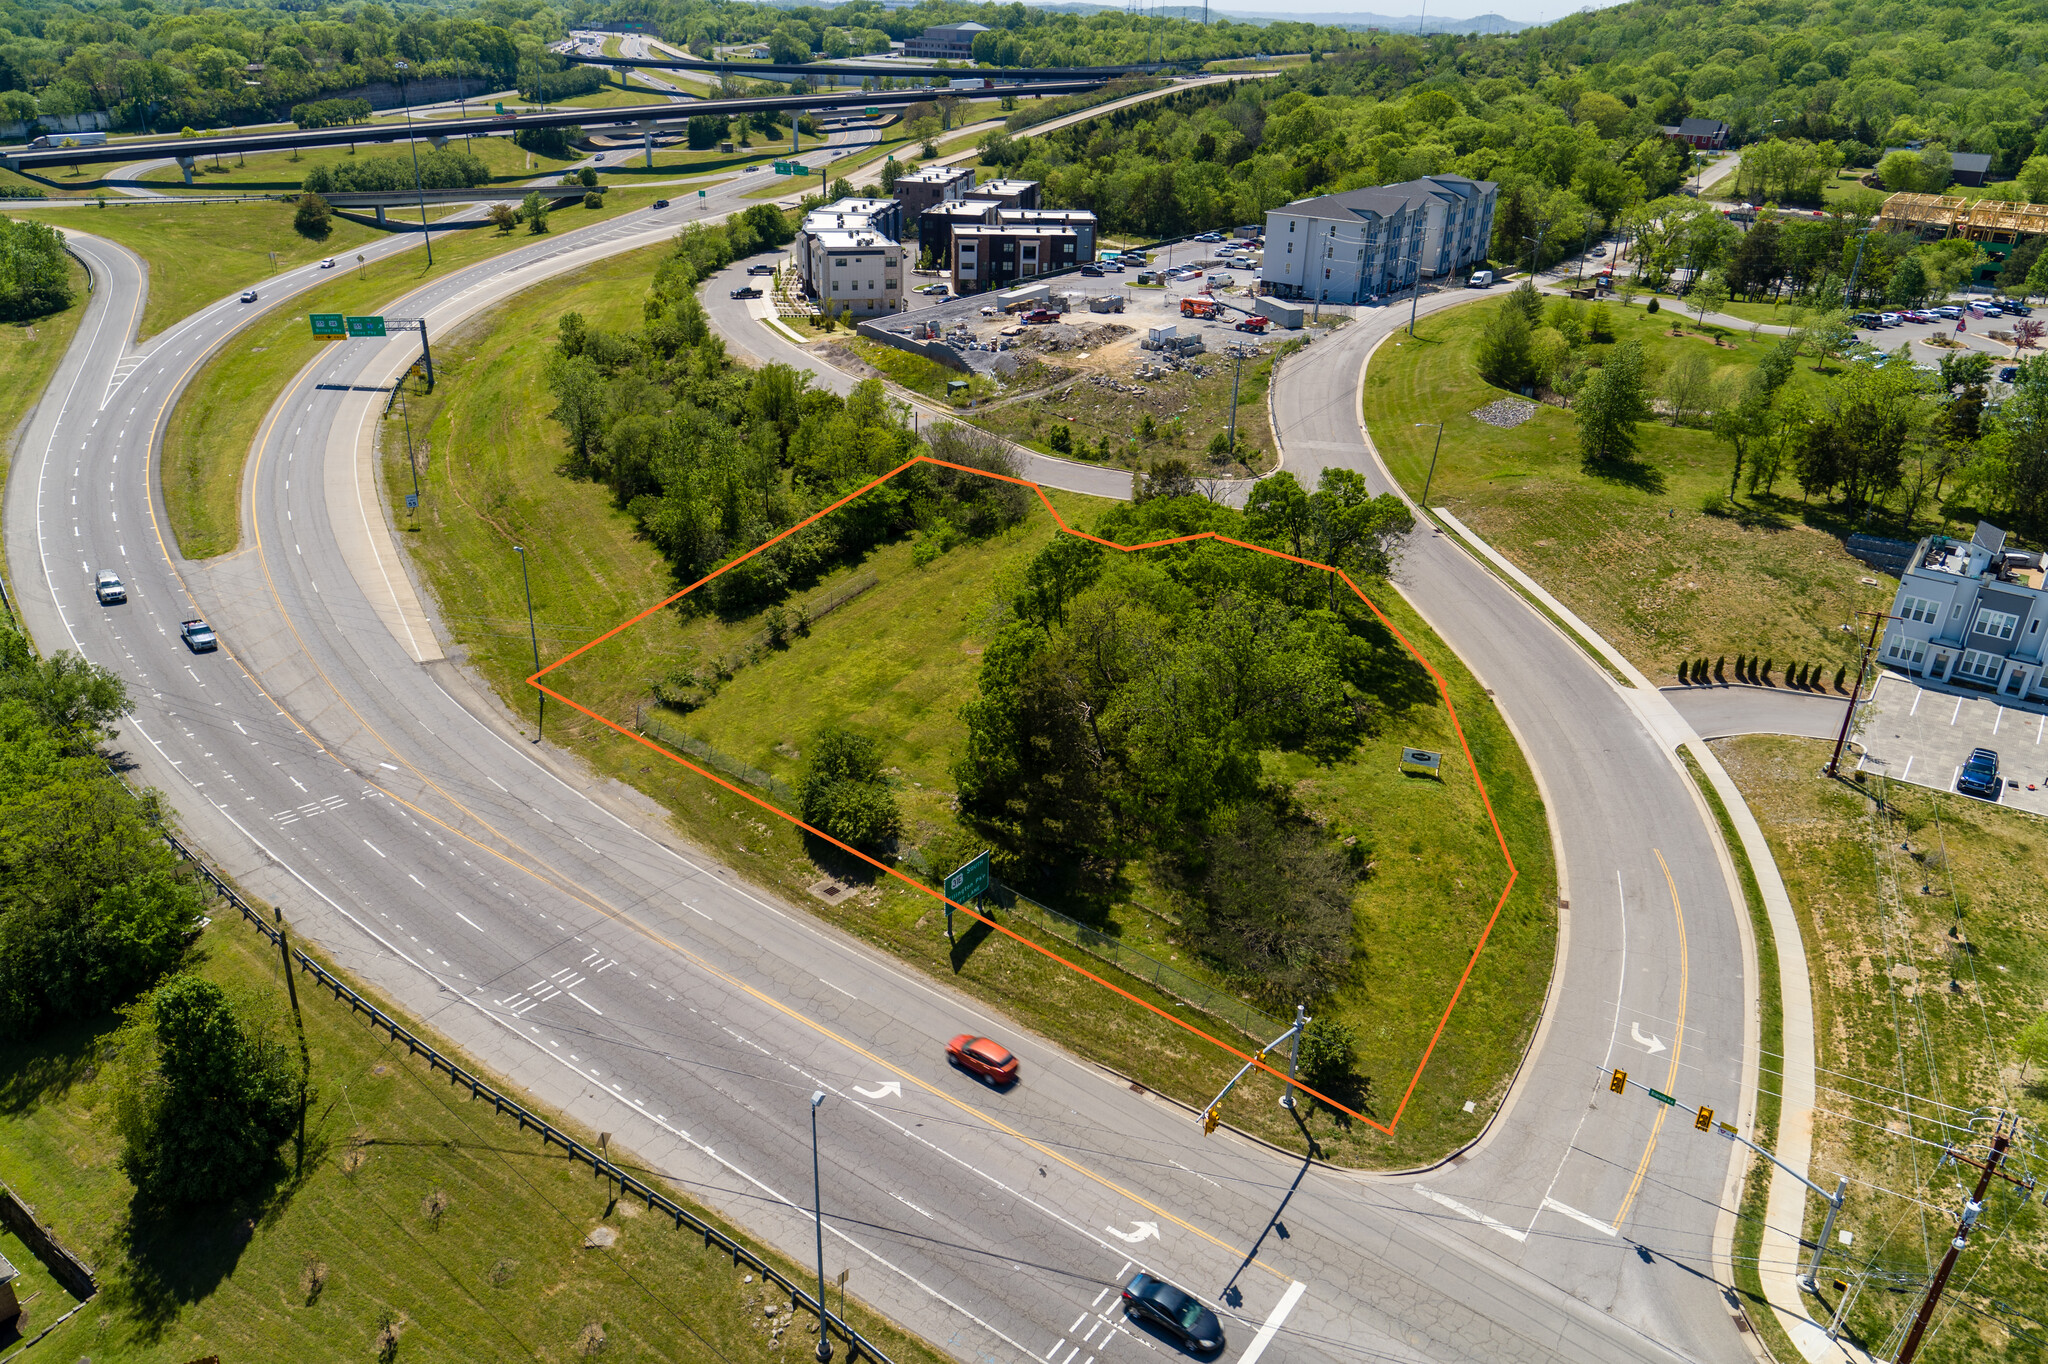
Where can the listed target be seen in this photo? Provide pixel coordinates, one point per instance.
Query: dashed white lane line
(1271, 1326)
(373, 847)
(1459, 1208)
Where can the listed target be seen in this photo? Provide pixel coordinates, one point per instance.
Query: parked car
(1890, 319)
(936, 289)
(990, 1060)
(2008, 373)
(1039, 316)
(1481, 279)
(661, 203)
(746, 291)
(760, 269)
(1091, 271)
(107, 587)
(1599, 250)
(1210, 237)
(2019, 309)
(248, 295)
(198, 636)
(1180, 1316)
(1949, 311)
(1979, 776)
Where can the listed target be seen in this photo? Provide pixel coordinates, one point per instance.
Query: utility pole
(401, 68)
(1971, 1211)
(539, 728)
(1236, 367)
(1862, 666)
(291, 988)
(1294, 1055)
(818, 1216)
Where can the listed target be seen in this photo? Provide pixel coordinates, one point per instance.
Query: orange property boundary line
(1443, 691)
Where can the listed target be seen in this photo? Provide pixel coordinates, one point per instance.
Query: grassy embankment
(280, 173)
(1635, 558)
(898, 661)
(200, 253)
(1922, 993)
(419, 1208)
(29, 352)
(207, 438)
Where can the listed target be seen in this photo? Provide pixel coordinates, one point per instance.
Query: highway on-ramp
(334, 759)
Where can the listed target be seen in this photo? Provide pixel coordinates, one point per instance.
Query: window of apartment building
(835, 286)
(1907, 650)
(840, 263)
(1920, 609)
(1997, 624)
(1326, 274)
(888, 284)
(1290, 226)
(1981, 666)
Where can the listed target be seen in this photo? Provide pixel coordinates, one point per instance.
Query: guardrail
(858, 1346)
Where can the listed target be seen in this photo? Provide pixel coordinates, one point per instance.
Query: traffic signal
(1619, 1082)
(1211, 1119)
(1704, 1122)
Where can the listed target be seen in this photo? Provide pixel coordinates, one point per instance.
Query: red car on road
(980, 1056)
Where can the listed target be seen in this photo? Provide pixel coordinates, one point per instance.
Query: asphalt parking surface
(1922, 735)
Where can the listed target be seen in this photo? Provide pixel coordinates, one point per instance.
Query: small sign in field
(1422, 758)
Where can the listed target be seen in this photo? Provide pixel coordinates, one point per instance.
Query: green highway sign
(1661, 1097)
(874, 111)
(365, 326)
(970, 882)
(328, 324)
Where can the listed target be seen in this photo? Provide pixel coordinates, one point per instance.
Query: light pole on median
(401, 68)
(818, 1215)
(540, 727)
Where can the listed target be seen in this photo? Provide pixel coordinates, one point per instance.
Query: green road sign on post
(328, 324)
(968, 883)
(365, 326)
(874, 111)
(1661, 1097)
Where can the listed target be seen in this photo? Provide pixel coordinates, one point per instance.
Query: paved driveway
(1922, 734)
(1721, 712)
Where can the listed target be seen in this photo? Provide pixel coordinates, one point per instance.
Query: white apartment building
(847, 254)
(1363, 244)
(1971, 615)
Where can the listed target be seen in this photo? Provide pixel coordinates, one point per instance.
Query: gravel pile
(1506, 413)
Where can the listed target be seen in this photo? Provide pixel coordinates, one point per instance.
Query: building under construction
(1996, 226)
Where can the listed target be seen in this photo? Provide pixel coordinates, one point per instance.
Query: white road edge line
(1271, 1327)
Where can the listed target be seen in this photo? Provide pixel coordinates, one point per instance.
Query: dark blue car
(1161, 1304)
(1979, 776)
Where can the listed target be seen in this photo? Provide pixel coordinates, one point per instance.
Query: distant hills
(1406, 23)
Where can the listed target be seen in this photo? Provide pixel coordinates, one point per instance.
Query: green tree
(313, 218)
(1709, 294)
(1504, 354)
(504, 217)
(207, 1094)
(1272, 905)
(1610, 405)
(34, 278)
(535, 211)
(843, 793)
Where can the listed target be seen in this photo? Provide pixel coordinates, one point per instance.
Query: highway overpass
(1008, 74)
(637, 116)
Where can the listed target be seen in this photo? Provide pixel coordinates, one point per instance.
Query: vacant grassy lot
(1929, 953)
(899, 660)
(281, 172)
(199, 253)
(314, 1269)
(207, 438)
(1636, 558)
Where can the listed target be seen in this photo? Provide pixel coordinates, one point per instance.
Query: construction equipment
(1198, 307)
(1256, 324)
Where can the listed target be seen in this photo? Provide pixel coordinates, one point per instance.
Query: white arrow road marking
(1653, 1044)
(1139, 1231)
(887, 1088)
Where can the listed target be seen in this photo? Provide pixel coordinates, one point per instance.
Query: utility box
(726, 147)
(1159, 337)
(1286, 314)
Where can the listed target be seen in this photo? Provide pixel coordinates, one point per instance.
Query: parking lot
(1922, 735)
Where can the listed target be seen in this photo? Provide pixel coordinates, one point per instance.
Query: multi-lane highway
(340, 763)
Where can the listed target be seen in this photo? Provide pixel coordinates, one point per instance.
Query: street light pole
(818, 1216)
(1434, 452)
(1863, 665)
(1293, 1055)
(540, 728)
(401, 68)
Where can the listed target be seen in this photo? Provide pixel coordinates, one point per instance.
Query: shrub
(842, 792)
(593, 200)
(1651, 306)
(313, 218)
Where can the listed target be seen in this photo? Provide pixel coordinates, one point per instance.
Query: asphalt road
(338, 763)
(1718, 712)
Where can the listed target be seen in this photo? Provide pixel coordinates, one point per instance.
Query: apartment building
(1364, 244)
(997, 256)
(1007, 193)
(1970, 614)
(847, 253)
(919, 190)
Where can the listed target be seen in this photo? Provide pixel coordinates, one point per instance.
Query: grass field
(314, 1269)
(207, 439)
(278, 173)
(1636, 558)
(901, 658)
(1917, 993)
(29, 352)
(201, 253)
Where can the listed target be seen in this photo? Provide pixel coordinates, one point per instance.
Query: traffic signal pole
(1971, 1211)
(1213, 1114)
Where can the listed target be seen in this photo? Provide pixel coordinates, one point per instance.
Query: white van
(1481, 279)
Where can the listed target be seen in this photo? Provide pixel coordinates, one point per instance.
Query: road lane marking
(1459, 1208)
(373, 847)
(1677, 1045)
(1271, 1326)
(1569, 1211)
